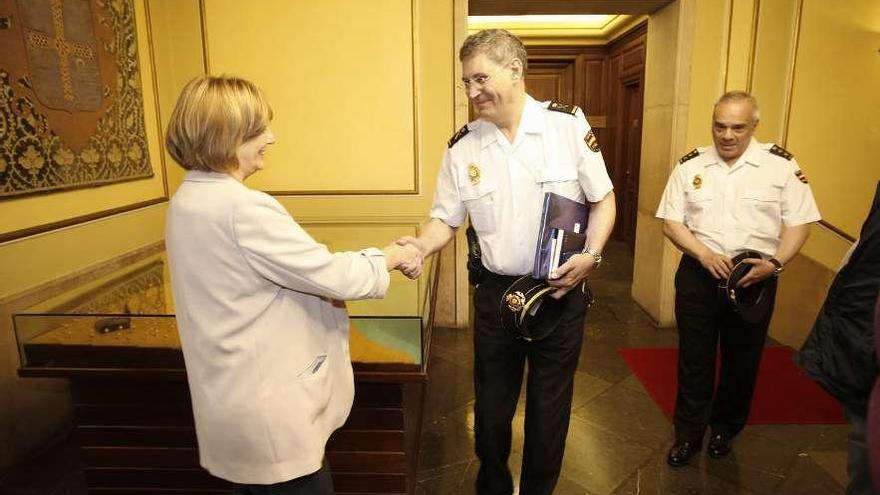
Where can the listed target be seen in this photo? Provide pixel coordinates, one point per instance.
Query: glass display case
(115, 339)
(126, 320)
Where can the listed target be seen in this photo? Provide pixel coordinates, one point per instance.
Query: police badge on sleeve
(592, 142)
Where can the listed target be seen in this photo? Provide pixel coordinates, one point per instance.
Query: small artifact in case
(107, 325)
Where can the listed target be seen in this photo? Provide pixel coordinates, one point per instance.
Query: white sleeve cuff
(371, 252)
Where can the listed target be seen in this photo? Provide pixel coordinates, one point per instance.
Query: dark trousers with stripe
(499, 362)
(707, 323)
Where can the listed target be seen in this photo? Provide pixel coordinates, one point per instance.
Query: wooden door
(631, 134)
(551, 79)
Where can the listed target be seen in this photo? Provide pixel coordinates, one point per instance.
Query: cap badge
(515, 301)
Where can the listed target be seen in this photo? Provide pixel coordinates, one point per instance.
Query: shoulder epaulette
(692, 154)
(563, 107)
(458, 135)
(780, 151)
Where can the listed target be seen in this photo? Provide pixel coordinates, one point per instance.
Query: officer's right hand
(412, 269)
(717, 264)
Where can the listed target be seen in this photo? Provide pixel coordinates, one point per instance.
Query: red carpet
(783, 395)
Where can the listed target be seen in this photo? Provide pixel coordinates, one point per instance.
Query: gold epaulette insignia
(692, 154)
(563, 107)
(780, 151)
(458, 135)
(800, 176)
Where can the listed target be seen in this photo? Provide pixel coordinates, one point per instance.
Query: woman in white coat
(258, 301)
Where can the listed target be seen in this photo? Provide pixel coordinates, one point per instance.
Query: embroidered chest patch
(474, 173)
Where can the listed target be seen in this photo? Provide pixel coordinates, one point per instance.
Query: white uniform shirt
(744, 206)
(265, 345)
(501, 185)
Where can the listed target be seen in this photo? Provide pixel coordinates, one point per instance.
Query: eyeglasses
(480, 80)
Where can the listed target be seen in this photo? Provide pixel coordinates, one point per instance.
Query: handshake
(407, 255)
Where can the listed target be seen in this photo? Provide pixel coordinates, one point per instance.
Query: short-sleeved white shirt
(743, 206)
(501, 185)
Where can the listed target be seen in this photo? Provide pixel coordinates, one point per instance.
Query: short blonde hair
(213, 116)
(499, 45)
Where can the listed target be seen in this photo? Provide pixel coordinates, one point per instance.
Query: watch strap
(778, 264)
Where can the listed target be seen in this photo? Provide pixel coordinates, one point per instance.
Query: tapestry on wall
(71, 106)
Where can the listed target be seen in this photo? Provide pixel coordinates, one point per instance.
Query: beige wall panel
(339, 75)
(770, 75)
(667, 83)
(803, 289)
(179, 56)
(825, 247)
(656, 260)
(40, 209)
(833, 129)
(434, 96)
(708, 62)
(739, 49)
(38, 259)
(800, 294)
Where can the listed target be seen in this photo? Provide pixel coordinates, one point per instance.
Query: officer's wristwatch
(597, 257)
(779, 266)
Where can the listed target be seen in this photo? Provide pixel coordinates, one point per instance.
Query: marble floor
(617, 439)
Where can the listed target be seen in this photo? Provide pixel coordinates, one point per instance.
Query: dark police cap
(753, 303)
(526, 312)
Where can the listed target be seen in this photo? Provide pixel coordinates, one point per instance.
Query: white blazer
(264, 336)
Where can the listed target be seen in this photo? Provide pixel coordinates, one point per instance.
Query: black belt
(498, 279)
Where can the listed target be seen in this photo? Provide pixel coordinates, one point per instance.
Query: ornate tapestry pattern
(72, 114)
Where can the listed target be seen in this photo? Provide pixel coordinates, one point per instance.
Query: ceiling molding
(566, 33)
(564, 7)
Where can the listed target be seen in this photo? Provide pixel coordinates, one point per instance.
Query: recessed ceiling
(594, 21)
(563, 7)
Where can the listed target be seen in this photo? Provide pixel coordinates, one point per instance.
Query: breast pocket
(763, 208)
(479, 200)
(698, 207)
(562, 180)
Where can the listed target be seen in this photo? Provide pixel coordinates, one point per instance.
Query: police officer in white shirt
(720, 201)
(496, 172)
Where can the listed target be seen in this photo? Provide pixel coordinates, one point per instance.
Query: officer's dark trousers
(705, 317)
(499, 361)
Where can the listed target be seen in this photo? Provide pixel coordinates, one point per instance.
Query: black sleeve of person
(475, 257)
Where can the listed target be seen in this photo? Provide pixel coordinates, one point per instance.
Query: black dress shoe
(719, 445)
(681, 453)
